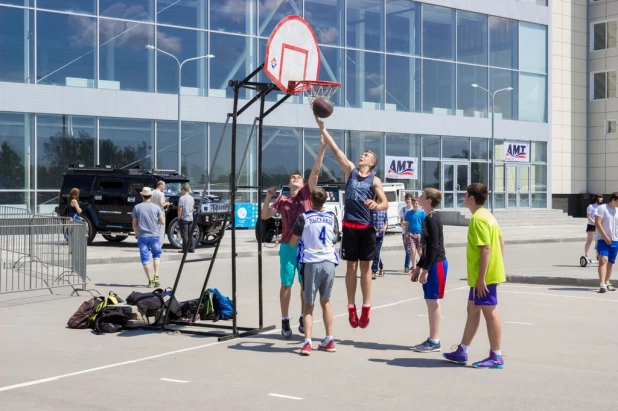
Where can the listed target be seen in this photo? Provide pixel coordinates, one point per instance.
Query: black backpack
(156, 300)
(110, 320)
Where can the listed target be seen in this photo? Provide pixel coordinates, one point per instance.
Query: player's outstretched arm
(267, 210)
(317, 166)
(346, 165)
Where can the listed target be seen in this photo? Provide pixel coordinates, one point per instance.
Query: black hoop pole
(260, 225)
(233, 206)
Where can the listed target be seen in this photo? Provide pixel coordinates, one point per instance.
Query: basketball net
(313, 89)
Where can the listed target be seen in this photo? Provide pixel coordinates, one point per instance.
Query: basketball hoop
(313, 88)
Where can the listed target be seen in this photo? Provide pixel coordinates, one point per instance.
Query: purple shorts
(491, 298)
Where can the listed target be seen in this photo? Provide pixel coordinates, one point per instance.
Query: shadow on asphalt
(571, 265)
(265, 347)
(589, 290)
(418, 362)
(373, 345)
(122, 285)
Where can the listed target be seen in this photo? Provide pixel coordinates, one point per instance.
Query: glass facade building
(79, 86)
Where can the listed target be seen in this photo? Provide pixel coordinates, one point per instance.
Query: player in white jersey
(315, 231)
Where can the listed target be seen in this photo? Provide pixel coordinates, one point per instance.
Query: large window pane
(438, 32)
(332, 69)
(16, 45)
(142, 10)
(272, 12)
(479, 173)
(235, 59)
(357, 142)
(194, 148)
(63, 141)
(472, 37)
(539, 178)
(538, 153)
(188, 13)
(479, 148)
(532, 97)
(404, 145)
(16, 151)
(431, 146)
(326, 19)
(438, 87)
(233, 16)
(125, 63)
(403, 83)
(365, 24)
(126, 143)
(76, 6)
(365, 80)
(26, 3)
(430, 174)
(331, 171)
(184, 44)
(167, 145)
(282, 149)
(471, 101)
(220, 164)
(506, 101)
(533, 47)
(455, 147)
(503, 39)
(600, 31)
(403, 27)
(65, 53)
(599, 86)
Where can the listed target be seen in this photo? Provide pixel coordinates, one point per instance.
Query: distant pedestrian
(158, 198)
(186, 203)
(414, 223)
(146, 220)
(380, 225)
(607, 240)
(596, 201)
(402, 221)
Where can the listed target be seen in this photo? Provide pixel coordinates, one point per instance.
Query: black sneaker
(286, 331)
(301, 325)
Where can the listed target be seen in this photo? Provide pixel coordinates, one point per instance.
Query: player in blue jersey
(315, 232)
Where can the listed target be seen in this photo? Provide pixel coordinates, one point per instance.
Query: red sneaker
(306, 350)
(364, 320)
(353, 317)
(330, 347)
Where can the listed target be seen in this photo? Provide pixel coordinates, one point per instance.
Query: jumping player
(317, 231)
(290, 207)
(607, 244)
(485, 272)
(359, 237)
(432, 267)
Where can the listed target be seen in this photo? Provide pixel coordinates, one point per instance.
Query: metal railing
(39, 252)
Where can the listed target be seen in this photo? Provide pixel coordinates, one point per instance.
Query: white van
(392, 196)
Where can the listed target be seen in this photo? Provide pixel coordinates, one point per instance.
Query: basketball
(322, 107)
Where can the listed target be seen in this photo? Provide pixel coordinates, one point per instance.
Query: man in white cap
(147, 217)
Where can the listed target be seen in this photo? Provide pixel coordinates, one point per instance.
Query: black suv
(108, 195)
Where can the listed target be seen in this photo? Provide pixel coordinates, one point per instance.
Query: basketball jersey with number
(316, 243)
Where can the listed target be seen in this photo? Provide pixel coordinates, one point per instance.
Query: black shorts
(591, 228)
(358, 244)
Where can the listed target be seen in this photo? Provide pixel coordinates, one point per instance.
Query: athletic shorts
(491, 298)
(413, 240)
(358, 244)
(591, 228)
(317, 277)
(288, 264)
(608, 251)
(147, 246)
(433, 289)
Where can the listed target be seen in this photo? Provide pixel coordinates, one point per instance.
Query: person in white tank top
(315, 232)
(595, 202)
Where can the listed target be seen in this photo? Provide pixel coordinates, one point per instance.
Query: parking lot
(558, 344)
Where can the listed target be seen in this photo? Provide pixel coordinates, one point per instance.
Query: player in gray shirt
(186, 204)
(146, 220)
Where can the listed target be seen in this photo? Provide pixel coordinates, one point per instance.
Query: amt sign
(517, 152)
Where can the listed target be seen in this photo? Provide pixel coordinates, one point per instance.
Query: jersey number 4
(322, 236)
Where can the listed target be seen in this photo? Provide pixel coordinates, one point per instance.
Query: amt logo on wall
(516, 152)
(401, 168)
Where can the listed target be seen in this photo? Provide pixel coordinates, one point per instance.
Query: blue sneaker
(493, 361)
(428, 346)
(458, 356)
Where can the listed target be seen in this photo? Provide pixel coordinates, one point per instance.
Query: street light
(180, 64)
(493, 146)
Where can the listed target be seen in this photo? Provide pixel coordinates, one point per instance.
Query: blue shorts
(491, 298)
(433, 289)
(149, 245)
(288, 264)
(608, 251)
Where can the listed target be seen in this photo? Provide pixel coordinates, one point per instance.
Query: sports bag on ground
(156, 300)
(222, 304)
(111, 319)
(81, 317)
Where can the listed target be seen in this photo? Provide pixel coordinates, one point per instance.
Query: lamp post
(493, 146)
(180, 64)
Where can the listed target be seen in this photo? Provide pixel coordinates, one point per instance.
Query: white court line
(166, 354)
(425, 315)
(517, 322)
(287, 397)
(178, 381)
(562, 296)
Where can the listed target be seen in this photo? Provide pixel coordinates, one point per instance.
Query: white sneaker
(603, 288)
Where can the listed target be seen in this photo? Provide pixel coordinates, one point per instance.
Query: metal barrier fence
(39, 252)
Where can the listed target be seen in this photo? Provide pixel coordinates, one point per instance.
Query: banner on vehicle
(402, 168)
(517, 151)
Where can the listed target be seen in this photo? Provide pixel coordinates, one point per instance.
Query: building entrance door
(454, 183)
(518, 186)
